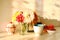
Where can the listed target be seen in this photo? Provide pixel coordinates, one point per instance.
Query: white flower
(29, 16)
(9, 25)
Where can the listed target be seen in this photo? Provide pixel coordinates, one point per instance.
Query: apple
(51, 27)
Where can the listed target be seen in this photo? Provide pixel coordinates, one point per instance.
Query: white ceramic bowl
(38, 29)
(50, 32)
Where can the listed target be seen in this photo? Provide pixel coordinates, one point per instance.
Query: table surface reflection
(31, 36)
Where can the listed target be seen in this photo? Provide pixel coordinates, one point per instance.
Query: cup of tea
(38, 28)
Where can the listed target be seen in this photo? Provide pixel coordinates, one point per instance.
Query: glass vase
(23, 28)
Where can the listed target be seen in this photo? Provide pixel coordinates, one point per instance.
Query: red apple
(50, 27)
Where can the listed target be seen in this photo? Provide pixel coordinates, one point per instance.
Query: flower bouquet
(23, 19)
(20, 20)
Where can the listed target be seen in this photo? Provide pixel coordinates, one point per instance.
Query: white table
(31, 36)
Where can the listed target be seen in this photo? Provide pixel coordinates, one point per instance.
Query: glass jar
(23, 28)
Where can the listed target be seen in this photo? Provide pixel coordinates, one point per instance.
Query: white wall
(23, 5)
(5, 13)
(51, 9)
(39, 7)
(51, 12)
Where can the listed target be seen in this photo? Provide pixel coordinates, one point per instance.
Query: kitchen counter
(31, 36)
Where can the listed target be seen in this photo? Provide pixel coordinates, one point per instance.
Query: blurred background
(47, 10)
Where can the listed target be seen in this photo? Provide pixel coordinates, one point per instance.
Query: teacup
(38, 28)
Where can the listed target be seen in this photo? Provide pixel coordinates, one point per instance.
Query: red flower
(20, 18)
